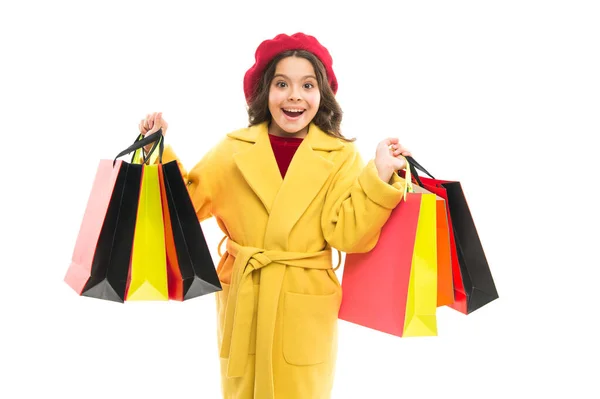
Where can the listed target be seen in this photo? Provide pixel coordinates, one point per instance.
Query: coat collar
(284, 199)
(317, 138)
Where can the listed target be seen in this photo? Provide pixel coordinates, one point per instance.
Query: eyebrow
(284, 76)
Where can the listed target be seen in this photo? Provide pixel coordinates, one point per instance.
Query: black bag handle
(155, 138)
(161, 149)
(414, 166)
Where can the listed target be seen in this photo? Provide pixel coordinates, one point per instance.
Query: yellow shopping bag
(421, 304)
(148, 272)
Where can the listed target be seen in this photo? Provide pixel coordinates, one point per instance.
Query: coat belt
(240, 303)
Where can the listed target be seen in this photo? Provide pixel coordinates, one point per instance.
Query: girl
(285, 190)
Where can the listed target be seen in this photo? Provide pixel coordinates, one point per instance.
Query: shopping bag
(459, 295)
(174, 279)
(102, 252)
(110, 267)
(421, 304)
(393, 287)
(103, 189)
(190, 269)
(444, 255)
(473, 281)
(149, 245)
(197, 270)
(148, 271)
(445, 286)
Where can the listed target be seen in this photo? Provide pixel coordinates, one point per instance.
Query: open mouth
(292, 113)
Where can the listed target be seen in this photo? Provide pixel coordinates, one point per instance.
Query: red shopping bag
(392, 288)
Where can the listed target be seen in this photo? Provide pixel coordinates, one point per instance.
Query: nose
(295, 94)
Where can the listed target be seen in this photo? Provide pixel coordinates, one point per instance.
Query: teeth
(293, 110)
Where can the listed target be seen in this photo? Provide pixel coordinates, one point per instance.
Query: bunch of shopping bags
(140, 238)
(428, 255)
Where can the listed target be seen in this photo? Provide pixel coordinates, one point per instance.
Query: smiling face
(294, 97)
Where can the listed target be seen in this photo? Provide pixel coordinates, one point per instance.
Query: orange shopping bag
(445, 286)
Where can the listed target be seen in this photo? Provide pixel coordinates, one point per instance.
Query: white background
(503, 96)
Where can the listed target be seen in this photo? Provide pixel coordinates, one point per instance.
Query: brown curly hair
(329, 115)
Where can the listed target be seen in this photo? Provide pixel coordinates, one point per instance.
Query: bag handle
(414, 166)
(148, 157)
(156, 138)
(408, 187)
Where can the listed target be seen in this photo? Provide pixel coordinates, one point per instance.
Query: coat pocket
(309, 327)
(222, 298)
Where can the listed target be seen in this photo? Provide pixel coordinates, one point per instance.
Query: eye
(308, 85)
(281, 84)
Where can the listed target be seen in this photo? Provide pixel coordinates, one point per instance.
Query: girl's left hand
(389, 158)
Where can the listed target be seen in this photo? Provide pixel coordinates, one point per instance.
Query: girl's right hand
(150, 125)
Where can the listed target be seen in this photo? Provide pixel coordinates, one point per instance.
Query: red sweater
(284, 149)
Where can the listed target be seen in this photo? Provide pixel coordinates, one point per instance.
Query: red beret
(268, 49)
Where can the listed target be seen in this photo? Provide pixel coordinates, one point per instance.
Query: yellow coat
(278, 310)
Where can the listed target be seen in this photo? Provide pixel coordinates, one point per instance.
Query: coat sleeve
(197, 182)
(357, 205)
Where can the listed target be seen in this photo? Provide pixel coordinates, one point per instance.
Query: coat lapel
(258, 164)
(305, 177)
(284, 199)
